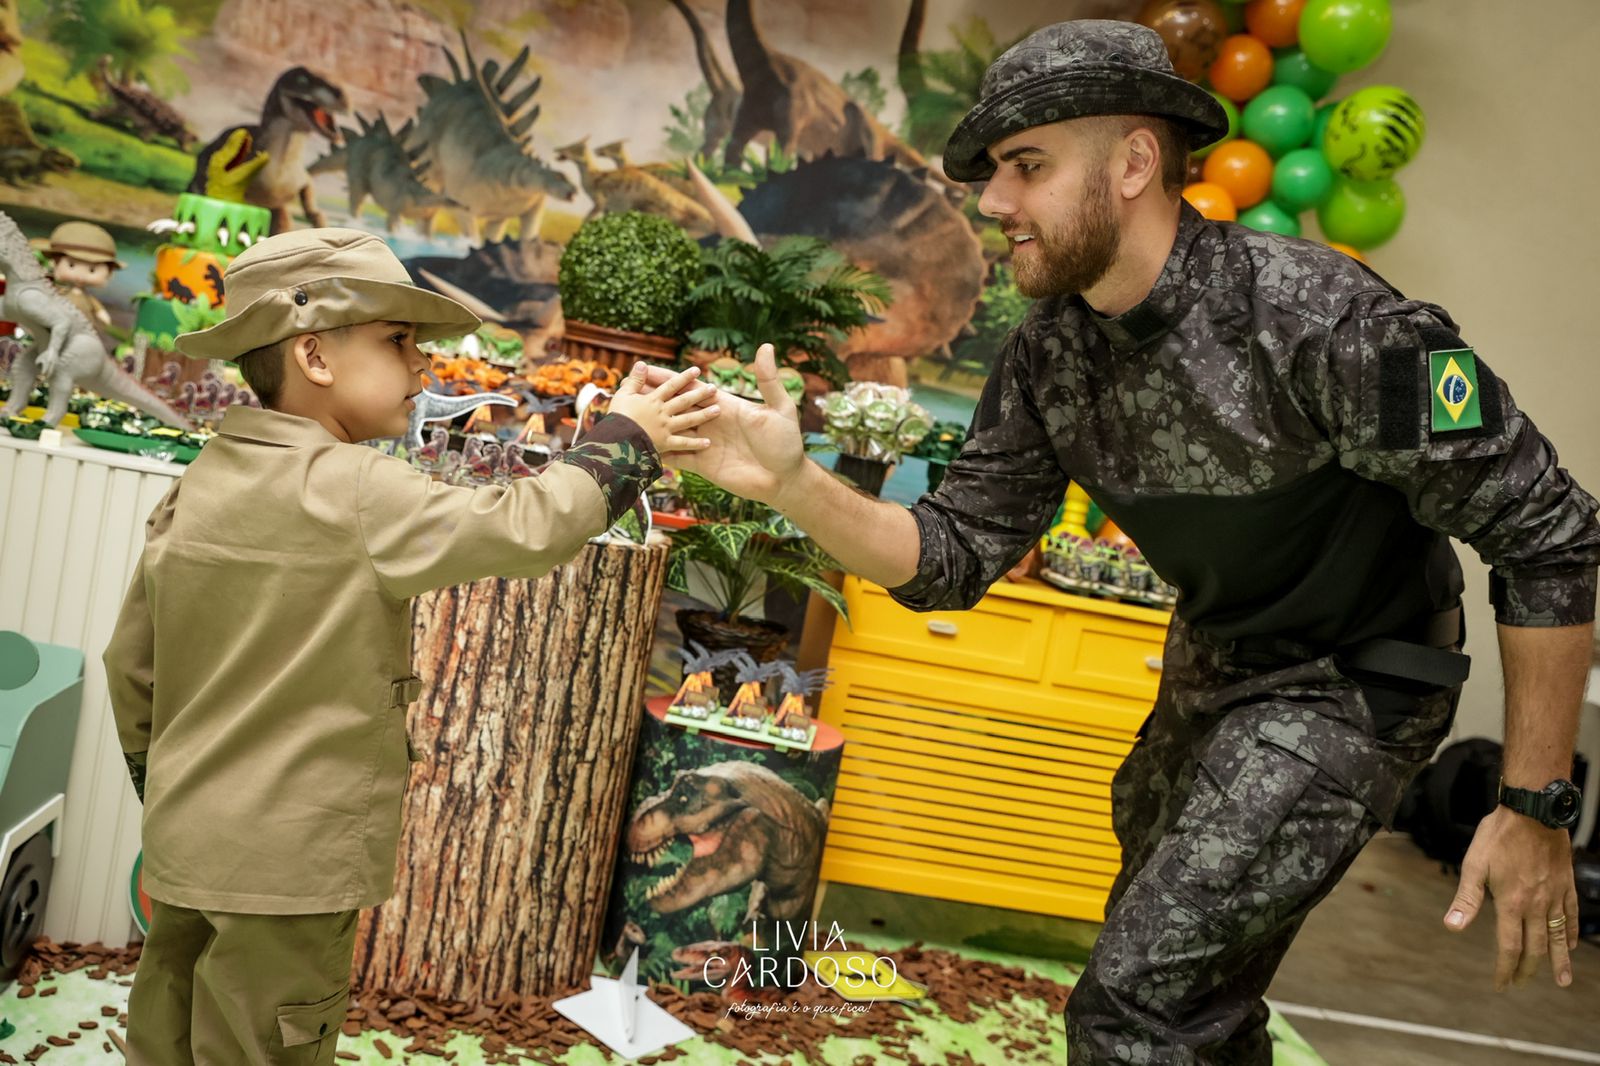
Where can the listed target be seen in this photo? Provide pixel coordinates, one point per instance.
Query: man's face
(73, 271)
(376, 368)
(1051, 193)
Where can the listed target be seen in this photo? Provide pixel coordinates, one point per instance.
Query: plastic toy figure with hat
(82, 256)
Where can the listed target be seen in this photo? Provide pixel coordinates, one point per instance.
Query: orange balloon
(1242, 68)
(1212, 201)
(1276, 22)
(1347, 250)
(1243, 168)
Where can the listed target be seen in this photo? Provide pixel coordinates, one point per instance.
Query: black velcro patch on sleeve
(1400, 399)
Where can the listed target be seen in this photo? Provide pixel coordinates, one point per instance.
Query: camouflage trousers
(1245, 800)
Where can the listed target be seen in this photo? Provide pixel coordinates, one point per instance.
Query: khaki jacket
(260, 668)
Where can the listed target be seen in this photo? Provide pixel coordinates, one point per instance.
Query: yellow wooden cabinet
(980, 744)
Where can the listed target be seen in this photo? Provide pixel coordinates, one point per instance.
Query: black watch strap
(1557, 805)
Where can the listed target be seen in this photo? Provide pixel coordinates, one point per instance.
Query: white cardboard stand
(621, 1016)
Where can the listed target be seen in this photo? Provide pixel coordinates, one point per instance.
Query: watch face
(1565, 804)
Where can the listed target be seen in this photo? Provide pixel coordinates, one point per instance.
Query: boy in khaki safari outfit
(259, 671)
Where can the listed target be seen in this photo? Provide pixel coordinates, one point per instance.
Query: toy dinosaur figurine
(234, 165)
(432, 407)
(64, 349)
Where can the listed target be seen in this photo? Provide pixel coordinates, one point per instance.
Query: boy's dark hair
(262, 369)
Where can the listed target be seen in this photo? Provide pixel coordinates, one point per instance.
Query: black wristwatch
(1556, 805)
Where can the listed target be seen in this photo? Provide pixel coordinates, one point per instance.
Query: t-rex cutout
(748, 826)
(65, 349)
(299, 104)
(808, 113)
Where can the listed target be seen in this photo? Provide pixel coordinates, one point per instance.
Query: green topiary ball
(630, 271)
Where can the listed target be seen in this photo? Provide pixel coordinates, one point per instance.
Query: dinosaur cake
(203, 235)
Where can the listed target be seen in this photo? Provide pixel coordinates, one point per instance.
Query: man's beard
(1072, 258)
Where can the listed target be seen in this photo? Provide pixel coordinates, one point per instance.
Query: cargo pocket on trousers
(1221, 854)
(310, 1023)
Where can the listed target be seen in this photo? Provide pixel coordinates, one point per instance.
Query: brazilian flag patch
(1453, 381)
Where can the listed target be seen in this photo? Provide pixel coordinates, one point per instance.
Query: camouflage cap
(1073, 70)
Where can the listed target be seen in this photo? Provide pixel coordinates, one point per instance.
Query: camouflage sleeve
(137, 762)
(996, 498)
(620, 457)
(1406, 402)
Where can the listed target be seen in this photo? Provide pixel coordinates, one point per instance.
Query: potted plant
(625, 280)
(942, 444)
(801, 296)
(734, 543)
(872, 425)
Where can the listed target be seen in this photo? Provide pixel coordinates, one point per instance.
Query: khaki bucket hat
(315, 279)
(81, 240)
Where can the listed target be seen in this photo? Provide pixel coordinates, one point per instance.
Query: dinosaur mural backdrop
(478, 136)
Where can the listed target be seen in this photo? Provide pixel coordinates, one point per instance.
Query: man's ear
(306, 352)
(1141, 158)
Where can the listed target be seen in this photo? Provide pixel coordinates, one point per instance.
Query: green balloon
(1374, 132)
(1362, 214)
(1232, 111)
(1301, 180)
(1270, 218)
(1279, 118)
(1293, 68)
(1320, 130)
(1344, 35)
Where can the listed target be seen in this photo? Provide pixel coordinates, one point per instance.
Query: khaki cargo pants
(215, 989)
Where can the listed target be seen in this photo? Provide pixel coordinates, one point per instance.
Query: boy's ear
(305, 352)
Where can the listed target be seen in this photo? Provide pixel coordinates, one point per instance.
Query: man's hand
(667, 411)
(756, 449)
(1527, 868)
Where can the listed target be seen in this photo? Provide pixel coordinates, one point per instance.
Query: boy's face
(72, 271)
(375, 369)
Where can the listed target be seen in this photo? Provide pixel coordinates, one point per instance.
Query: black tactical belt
(1429, 660)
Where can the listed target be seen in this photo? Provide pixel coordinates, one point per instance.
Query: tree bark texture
(530, 710)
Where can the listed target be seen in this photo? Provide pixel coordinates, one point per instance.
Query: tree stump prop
(526, 724)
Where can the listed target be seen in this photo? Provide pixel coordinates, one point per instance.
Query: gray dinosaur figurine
(433, 407)
(64, 348)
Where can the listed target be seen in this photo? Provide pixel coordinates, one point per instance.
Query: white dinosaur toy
(64, 348)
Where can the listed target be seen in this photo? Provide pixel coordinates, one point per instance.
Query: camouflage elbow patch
(622, 460)
(137, 764)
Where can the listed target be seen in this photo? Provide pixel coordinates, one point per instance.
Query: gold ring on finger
(1557, 923)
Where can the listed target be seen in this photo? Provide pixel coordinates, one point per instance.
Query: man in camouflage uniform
(1291, 443)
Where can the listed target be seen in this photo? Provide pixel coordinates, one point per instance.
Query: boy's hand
(669, 410)
(757, 449)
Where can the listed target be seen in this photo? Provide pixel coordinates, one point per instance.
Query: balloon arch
(1291, 147)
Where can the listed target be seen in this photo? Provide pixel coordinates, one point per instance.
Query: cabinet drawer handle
(1153, 662)
(943, 629)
